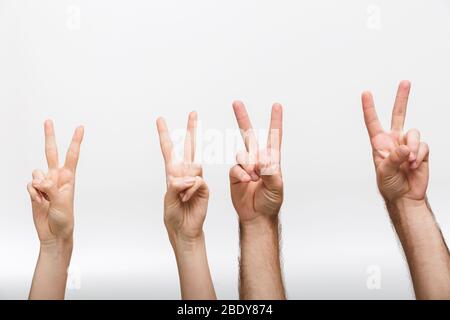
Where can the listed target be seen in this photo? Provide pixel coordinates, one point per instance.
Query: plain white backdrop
(115, 66)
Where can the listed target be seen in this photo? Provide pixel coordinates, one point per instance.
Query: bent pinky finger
(422, 155)
(199, 185)
(34, 194)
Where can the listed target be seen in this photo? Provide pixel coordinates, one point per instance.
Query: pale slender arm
(260, 266)
(52, 201)
(185, 208)
(50, 276)
(424, 246)
(193, 270)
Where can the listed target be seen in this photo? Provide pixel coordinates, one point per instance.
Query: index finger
(164, 140)
(276, 127)
(51, 150)
(245, 126)
(370, 115)
(400, 105)
(73, 153)
(189, 141)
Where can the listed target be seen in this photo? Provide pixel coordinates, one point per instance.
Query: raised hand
(185, 207)
(52, 199)
(52, 193)
(401, 160)
(256, 180)
(257, 195)
(401, 163)
(186, 200)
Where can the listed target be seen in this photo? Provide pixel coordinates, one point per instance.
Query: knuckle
(199, 180)
(414, 131)
(171, 182)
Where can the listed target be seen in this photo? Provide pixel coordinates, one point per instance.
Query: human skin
(185, 207)
(257, 195)
(52, 200)
(402, 169)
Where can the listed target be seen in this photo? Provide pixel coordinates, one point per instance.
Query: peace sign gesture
(256, 181)
(52, 193)
(186, 199)
(401, 160)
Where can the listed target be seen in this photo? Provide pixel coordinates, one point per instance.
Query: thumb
(46, 186)
(199, 187)
(177, 185)
(268, 168)
(391, 165)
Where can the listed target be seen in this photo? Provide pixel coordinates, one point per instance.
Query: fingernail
(414, 165)
(254, 176)
(37, 181)
(185, 197)
(189, 180)
(245, 177)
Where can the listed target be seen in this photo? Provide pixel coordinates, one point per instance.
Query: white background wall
(123, 63)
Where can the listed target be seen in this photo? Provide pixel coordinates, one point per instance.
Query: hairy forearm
(50, 275)
(193, 269)
(260, 266)
(424, 246)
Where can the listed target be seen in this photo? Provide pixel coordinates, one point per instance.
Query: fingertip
(189, 181)
(403, 151)
(366, 94)
(405, 84)
(193, 115)
(414, 131)
(79, 133)
(237, 104)
(48, 126)
(38, 199)
(185, 198)
(366, 99)
(254, 177)
(245, 177)
(161, 124)
(277, 107)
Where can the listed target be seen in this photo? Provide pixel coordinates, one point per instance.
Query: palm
(52, 194)
(256, 191)
(188, 216)
(410, 179)
(54, 218)
(186, 199)
(253, 198)
(243, 196)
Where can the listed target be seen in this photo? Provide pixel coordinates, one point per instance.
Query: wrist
(181, 243)
(406, 203)
(57, 249)
(404, 211)
(262, 229)
(260, 222)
